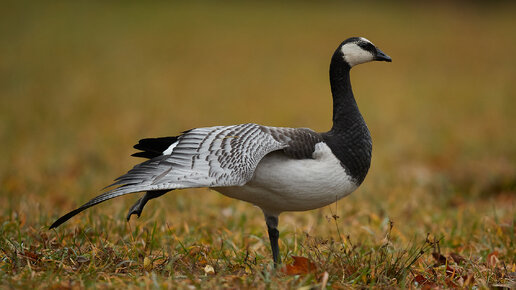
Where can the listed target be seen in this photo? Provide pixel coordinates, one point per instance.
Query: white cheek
(354, 54)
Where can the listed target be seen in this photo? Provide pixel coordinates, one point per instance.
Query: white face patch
(354, 54)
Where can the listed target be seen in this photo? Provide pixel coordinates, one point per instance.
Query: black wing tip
(155, 143)
(55, 225)
(153, 147)
(145, 154)
(65, 218)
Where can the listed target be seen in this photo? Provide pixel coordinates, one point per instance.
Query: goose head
(357, 50)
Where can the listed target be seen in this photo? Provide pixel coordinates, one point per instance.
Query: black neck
(345, 109)
(349, 138)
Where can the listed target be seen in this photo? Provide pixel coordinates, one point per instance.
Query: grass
(80, 83)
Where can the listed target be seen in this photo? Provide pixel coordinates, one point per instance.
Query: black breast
(353, 147)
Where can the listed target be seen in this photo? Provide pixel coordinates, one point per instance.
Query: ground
(80, 83)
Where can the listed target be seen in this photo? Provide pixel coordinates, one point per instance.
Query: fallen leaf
(208, 270)
(458, 258)
(468, 279)
(300, 266)
(450, 283)
(430, 285)
(202, 262)
(492, 259)
(420, 279)
(324, 280)
(194, 250)
(31, 255)
(439, 258)
(83, 259)
(147, 263)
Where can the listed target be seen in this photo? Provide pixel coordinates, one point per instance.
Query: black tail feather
(153, 147)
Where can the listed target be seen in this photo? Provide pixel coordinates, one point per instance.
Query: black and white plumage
(277, 169)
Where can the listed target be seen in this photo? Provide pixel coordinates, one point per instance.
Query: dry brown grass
(81, 83)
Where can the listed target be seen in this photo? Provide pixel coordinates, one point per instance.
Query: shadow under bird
(275, 168)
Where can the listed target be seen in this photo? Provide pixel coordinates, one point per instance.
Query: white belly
(283, 184)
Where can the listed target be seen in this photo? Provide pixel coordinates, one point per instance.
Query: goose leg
(272, 227)
(140, 203)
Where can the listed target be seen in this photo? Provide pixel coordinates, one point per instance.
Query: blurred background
(81, 82)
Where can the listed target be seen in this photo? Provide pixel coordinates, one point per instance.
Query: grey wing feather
(301, 141)
(216, 156)
(209, 157)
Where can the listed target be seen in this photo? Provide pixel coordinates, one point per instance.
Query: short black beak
(380, 56)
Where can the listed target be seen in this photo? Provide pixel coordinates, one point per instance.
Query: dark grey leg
(138, 206)
(272, 227)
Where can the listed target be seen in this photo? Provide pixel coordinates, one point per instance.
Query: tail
(154, 147)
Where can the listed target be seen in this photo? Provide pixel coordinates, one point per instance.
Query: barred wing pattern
(301, 141)
(209, 157)
(216, 156)
(205, 157)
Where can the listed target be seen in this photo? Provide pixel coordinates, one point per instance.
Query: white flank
(284, 184)
(354, 54)
(170, 148)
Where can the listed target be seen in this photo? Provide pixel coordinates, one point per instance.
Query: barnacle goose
(277, 169)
